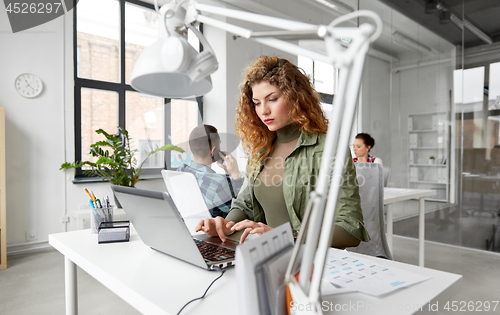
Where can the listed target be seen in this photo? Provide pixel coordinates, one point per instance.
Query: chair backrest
(387, 173)
(186, 194)
(371, 191)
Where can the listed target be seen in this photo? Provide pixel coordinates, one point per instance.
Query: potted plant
(431, 159)
(115, 159)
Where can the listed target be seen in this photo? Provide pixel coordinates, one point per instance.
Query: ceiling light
(336, 5)
(410, 42)
(339, 5)
(463, 23)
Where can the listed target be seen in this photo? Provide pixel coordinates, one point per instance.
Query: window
(323, 77)
(109, 37)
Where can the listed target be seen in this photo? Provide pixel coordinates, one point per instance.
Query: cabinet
(428, 153)
(3, 204)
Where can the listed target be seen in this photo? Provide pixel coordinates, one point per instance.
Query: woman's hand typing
(216, 227)
(250, 227)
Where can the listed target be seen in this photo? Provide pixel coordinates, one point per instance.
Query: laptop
(161, 227)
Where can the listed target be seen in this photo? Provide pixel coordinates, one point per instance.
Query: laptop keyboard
(213, 252)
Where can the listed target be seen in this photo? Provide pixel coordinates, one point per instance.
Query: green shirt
(299, 179)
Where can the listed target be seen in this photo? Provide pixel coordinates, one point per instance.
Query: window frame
(324, 97)
(120, 88)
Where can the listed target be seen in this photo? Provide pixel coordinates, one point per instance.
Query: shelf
(428, 135)
(424, 182)
(429, 165)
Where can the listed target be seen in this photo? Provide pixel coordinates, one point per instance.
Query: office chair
(371, 190)
(387, 173)
(186, 194)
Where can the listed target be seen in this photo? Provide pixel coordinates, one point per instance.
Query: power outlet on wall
(31, 236)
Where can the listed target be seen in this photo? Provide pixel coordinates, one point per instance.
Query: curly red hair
(300, 96)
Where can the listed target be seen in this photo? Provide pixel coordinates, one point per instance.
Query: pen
(93, 197)
(106, 211)
(108, 207)
(98, 203)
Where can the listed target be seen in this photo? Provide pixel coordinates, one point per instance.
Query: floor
(34, 283)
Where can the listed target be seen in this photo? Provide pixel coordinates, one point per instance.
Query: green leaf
(67, 165)
(166, 147)
(103, 160)
(100, 143)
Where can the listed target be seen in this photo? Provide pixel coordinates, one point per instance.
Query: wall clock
(28, 85)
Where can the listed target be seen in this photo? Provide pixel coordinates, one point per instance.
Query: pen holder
(99, 215)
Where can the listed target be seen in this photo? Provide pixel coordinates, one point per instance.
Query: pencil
(88, 194)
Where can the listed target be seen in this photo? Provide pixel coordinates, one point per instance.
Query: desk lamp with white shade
(171, 68)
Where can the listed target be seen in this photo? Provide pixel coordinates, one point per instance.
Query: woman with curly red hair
(283, 129)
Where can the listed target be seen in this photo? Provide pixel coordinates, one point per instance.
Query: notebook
(161, 227)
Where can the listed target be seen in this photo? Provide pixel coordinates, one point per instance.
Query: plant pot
(431, 161)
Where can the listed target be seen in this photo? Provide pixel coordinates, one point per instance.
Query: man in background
(217, 189)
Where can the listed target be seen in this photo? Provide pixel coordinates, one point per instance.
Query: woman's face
(270, 106)
(360, 149)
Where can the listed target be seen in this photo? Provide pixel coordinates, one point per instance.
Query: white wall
(375, 107)
(34, 130)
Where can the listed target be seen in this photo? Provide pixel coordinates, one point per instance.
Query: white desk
(155, 283)
(392, 195)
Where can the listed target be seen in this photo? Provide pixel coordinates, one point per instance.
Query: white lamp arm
(254, 18)
(202, 39)
(298, 30)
